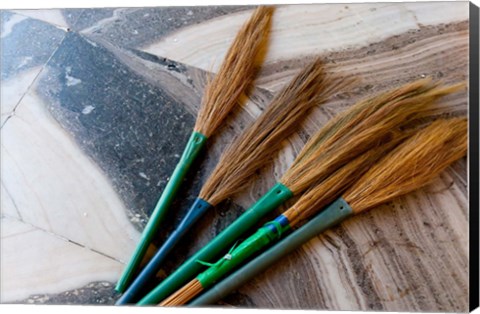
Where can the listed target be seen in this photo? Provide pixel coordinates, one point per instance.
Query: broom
(340, 141)
(221, 95)
(247, 154)
(409, 166)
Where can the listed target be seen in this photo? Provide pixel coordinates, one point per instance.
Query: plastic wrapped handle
(276, 196)
(332, 215)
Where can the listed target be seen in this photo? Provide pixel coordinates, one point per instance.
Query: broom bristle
(183, 295)
(256, 146)
(343, 122)
(359, 129)
(237, 71)
(411, 165)
(322, 194)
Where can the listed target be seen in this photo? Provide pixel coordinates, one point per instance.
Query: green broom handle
(194, 146)
(267, 234)
(276, 196)
(332, 215)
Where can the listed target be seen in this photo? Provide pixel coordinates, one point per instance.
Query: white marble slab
(300, 30)
(54, 187)
(37, 261)
(53, 16)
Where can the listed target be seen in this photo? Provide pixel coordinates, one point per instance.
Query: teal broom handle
(267, 234)
(194, 146)
(276, 196)
(332, 215)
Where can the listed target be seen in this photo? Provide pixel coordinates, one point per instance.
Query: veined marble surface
(96, 105)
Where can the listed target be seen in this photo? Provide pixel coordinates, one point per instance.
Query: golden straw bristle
(345, 121)
(359, 129)
(322, 194)
(183, 295)
(411, 165)
(237, 71)
(256, 145)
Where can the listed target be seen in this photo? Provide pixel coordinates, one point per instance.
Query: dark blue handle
(198, 208)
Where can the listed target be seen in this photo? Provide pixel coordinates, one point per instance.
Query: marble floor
(96, 105)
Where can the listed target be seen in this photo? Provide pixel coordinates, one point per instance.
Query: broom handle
(257, 241)
(198, 208)
(332, 215)
(194, 145)
(277, 195)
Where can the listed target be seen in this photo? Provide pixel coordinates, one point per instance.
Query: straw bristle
(411, 165)
(319, 196)
(237, 71)
(256, 146)
(343, 122)
(358, 129)
(183, 295)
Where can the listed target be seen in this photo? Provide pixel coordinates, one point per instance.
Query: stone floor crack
(6, 119)
(43, 21)
(62, 238)
(13, 201)
(102, 23)
(32, 83)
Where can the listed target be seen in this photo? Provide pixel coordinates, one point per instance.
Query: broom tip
(237, 72)
(254, 148)
(410, 166)
(183, 295)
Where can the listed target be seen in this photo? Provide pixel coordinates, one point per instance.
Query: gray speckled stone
(134, 130)
(25, 43)
(71, 16)
(135, 27)
(92, 16)
(98, 293)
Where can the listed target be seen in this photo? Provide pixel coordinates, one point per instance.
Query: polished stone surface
(124, 122)
(98, 103)
(143, 26)
(26, 45)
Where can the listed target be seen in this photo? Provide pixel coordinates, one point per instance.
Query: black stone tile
(135, 130)
(135, 27)
(25, 44)
(99, 293)
(71, 16)
(91, 17)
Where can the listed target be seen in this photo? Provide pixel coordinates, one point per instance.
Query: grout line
(63, 238)
(74, 23)
(13, 201)
(40, 20)
(33, 81)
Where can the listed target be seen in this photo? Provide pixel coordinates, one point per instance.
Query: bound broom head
(407, 167)
(237, 71)
(183, 295)
(359, 128)
(343, 122)
(255, 147)
(322, 194)
(411, 165)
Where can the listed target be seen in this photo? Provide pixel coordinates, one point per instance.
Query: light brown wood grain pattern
(408, 255)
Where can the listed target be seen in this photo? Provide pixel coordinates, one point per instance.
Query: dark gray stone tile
(92, 16)
(71, 16)
(99, 293)
(26, 43)
(133, 129)
(135, 27)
